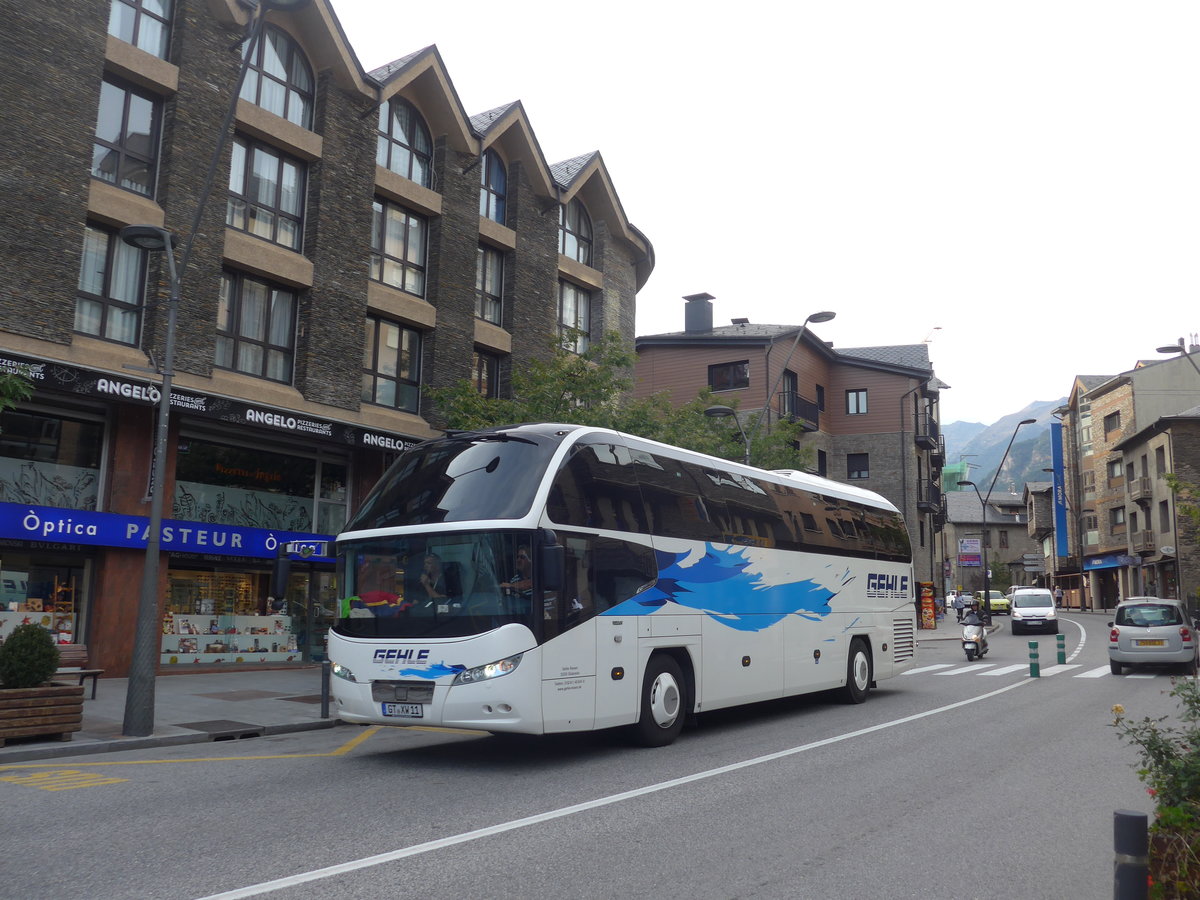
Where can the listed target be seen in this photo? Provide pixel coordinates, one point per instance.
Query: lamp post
(814, 317)
(1180, 348)
(143, 665)
(139, 695)
(983, 502)
(720, 412)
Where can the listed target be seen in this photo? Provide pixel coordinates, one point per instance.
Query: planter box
(53, 709)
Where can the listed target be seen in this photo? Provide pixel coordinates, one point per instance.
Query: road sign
(1041, 570)
(1032, 558)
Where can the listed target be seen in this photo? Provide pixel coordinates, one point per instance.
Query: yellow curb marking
(61, 780)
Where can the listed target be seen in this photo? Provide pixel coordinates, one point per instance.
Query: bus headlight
(491, 670)
(341, 671)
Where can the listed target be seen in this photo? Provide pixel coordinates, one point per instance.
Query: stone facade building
(357, 237)
(870, 413)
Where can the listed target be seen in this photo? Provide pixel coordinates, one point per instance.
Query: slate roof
(483, 121)
(386, 71)
(911, 356)
(564, 172)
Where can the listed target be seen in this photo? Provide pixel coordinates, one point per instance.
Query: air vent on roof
(740, 321)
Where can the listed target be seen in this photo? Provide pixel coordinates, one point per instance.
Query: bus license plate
(404, 710)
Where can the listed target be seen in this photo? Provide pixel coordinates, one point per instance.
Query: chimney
(698, 314)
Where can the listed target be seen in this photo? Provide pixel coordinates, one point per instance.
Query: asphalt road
(955, 781)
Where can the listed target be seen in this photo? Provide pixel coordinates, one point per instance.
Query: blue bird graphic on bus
(431, 672)
(719, 585)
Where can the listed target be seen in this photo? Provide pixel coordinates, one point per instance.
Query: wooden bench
(73, 660)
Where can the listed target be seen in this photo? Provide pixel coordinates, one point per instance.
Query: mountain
(981, 447)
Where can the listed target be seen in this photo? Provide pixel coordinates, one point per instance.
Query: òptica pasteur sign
(67, 526)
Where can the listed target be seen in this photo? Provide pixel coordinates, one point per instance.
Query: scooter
(974, 637)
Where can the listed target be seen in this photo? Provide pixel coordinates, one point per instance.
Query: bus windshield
(437, 585)
(464, 477)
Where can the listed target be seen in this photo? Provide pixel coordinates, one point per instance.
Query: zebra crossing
(994, 670)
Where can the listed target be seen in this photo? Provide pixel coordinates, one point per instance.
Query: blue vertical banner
(1060, 490)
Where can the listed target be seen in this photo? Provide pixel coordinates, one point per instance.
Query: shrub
(1170, 767)
(28, 657)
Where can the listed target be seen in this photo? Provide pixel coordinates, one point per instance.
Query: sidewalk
(191, 708)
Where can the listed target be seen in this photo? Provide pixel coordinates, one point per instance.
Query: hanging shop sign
(98, 529)
(100, 385)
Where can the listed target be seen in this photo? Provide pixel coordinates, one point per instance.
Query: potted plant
(1170, 767)
(29, 705)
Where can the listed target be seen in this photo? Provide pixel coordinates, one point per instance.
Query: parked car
(1033, 610)
(1000, 603)
(1152, 631)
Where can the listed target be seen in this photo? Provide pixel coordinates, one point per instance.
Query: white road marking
(1054, 670)
(255, 890)
(972, 669)
(1007, 670)
(1095, 673)
(928, 668)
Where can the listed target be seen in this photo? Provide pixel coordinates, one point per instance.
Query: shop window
(47, 591)
(403, 143)
(729, 376)
(575, 232)
(255, 487)
(398, 247)
(493, 187)
(49, 460)
(144, 23)
(574, 317)
(126, 142)
(256, 327)
(112, 279)
(279, 78)
(392, 365)
(266, 193)
(489, 284)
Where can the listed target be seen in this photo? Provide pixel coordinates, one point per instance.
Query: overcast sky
(1017, 183)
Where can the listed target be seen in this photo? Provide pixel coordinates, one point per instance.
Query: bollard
(1035, 670)
(1062, 649)
(325, 669)
(1131, 860)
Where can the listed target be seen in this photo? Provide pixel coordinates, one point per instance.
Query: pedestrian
(1058, 597)
(959, 603)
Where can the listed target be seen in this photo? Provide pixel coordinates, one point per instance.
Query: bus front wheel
(858, 672)
(663, 703)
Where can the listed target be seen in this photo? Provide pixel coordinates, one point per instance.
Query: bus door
(569, 644)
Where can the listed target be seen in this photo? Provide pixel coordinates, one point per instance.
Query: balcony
(1143, 542)
(937, 456)
(801, 410)
(929, 497)
(927, 432)
(1140, 489)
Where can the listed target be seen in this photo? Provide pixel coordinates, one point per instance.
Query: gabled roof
(910, 356)
(422, 77)
(963, 508)
(506, 128)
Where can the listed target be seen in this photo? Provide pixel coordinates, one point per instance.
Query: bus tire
(858, 672)
(663, 704)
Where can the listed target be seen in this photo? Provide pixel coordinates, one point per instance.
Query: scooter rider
(973, 615)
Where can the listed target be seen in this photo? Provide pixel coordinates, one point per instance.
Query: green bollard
(1062, 649)
(1035, 670)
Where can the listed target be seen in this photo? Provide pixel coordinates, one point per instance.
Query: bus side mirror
(552, 562)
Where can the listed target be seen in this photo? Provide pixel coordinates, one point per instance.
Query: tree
(592, 388)
(14, 389)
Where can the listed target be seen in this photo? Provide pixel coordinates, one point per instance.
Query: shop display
(229, 639)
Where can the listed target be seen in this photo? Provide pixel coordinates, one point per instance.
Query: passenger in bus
(433, 578)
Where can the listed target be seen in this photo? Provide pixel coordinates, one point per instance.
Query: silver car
(1151, 631)
(1033, 610)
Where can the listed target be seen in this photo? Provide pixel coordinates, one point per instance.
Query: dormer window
(144, 23)
(279, 78)
(575, 232)
(493, 187)
(403, 144)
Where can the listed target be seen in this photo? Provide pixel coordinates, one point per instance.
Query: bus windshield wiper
(484, 436)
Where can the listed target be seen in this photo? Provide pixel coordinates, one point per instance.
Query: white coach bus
(552, 578)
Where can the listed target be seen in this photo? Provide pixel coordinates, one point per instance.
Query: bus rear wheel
(663, 705)
(858, 672)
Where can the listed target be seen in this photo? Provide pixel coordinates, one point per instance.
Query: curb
(114, 745)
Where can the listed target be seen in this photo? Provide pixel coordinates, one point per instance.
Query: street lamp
(1179, 348)
(720, 412)
(983, 502)
(814, 317)
(139, 695)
